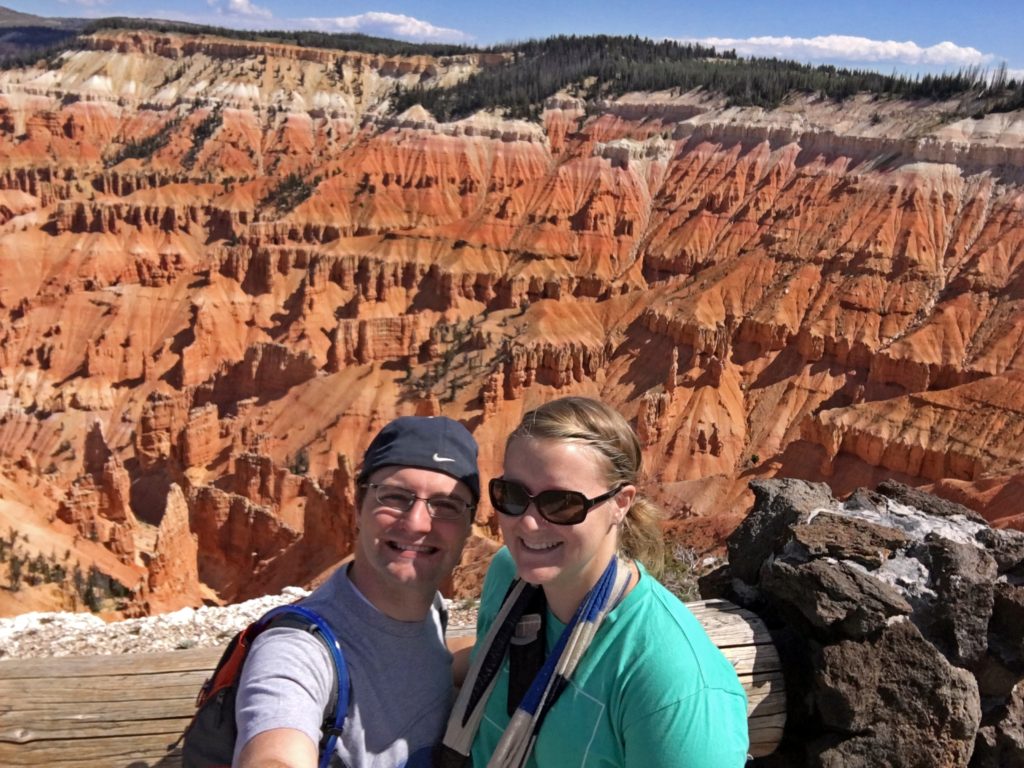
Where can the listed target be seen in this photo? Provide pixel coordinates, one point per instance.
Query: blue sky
(912, 35)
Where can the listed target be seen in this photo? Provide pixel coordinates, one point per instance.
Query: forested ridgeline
(27, 45)
(601, 66)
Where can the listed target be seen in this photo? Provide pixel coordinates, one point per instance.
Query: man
(416, 494)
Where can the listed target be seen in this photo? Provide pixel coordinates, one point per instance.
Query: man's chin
(421, 571)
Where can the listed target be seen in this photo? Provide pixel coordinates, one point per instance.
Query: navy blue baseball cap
(436, 443)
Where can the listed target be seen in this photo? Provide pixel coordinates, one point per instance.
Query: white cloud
(85, 3)
(245, 8)
(242, 8)
(384, 24)
(853, 49)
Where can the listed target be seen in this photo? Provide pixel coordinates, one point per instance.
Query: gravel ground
(42, 635)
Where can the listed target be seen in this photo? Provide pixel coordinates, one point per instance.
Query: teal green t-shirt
(652, 691)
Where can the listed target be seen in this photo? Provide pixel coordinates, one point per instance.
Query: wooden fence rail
(128, 711)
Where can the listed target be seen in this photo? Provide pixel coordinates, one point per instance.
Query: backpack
(209, 739)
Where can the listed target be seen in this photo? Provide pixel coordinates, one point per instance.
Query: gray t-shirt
(401, 681)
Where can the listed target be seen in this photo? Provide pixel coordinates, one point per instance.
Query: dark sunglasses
(558, 507)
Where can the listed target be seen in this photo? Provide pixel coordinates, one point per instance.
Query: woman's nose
(531, 518)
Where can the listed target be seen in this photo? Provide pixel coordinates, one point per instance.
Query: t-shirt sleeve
(286, 683)
(707, 729)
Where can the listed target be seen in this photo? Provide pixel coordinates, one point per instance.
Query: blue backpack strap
(332, 731)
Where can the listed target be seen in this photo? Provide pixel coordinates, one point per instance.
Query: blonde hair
(592, 423)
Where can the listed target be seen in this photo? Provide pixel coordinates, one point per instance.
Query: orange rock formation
(223, 267)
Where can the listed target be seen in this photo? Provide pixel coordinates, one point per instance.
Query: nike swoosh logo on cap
(441, 458)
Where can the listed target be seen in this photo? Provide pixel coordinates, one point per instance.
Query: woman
(586, 660)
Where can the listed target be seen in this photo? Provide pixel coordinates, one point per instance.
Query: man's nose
(418, 517)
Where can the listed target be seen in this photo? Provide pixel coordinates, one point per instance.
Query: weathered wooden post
(745, 641)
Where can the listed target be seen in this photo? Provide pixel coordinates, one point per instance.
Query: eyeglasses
(558, 507)
(401, 500)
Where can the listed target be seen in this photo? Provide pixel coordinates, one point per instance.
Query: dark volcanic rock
(833, 596)
(899, 699)
(1007, 547)
(862, 542)
(963, 577)
(903, 615)
(925, 502)
(1001, 738)
(778, 504)
(1006, 629)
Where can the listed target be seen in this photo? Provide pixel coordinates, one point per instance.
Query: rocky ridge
(898, 618)
(225, 265)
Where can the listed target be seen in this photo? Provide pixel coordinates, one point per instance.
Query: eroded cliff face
(224, 267)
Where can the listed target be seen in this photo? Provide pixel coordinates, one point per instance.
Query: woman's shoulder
(668, 642)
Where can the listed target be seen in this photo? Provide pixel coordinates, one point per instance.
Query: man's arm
(285, 688)
(278, 748)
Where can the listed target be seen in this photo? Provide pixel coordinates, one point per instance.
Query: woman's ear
(623, 501)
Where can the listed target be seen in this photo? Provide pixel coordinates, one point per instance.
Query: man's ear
(360, 498)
